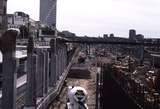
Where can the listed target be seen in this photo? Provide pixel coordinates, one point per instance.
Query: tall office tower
(3, 18)
(48, 10)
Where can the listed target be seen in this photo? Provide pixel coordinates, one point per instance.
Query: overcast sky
(95, 17)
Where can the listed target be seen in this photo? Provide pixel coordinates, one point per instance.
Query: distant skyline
(98, 17)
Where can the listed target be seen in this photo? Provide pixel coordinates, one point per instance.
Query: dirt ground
(89, 83)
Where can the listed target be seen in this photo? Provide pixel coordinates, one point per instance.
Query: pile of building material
(79, 71)
(141, 83)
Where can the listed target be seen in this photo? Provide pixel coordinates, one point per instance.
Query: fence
(46, 68)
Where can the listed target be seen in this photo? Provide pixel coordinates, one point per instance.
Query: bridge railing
(46, 68)
(46, 71)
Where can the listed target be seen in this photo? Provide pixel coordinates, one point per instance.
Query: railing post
(65, 56)
(43, 73)
(40, 76)
(46, 71)
(63, 60)
(62, 69)
(30, 100)
(53, 63)
(58, 62)
(8, 46)
(60, 58)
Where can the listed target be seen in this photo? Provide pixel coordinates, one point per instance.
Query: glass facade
(48, 10)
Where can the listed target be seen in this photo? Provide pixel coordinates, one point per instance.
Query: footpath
(83, 75)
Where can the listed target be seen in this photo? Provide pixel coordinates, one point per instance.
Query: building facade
(48, 10)
(17, 19)
(3, 9)
(23, 22)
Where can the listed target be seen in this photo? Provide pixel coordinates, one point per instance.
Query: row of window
(12, 26)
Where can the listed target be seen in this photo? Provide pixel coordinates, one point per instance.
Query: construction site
(42, 67)
(115, 76)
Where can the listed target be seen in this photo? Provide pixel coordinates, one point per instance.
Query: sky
(98, 17)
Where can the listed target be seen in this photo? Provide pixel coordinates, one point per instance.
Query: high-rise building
(3, 8)
(48, 10)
